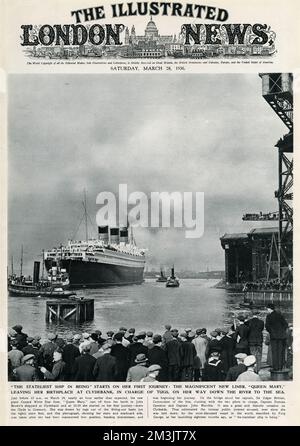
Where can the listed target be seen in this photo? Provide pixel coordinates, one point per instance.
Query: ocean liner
(112, 259)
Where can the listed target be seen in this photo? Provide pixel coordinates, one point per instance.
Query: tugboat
(162, 277)
(172, 281)
(54, 286)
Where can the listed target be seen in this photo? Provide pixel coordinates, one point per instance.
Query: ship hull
(96, 275)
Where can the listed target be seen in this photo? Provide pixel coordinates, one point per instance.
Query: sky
(156, 132)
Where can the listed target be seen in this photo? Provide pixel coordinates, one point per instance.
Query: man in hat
(213, 344)
(47, 350)
(139, 370)
(77, 340)
(84, 365)
(101, 340)
(152, 373)
(121, 354)
(137, 347)
(213, 369)
(249, 374)
(130, 336)
(11, 337)
(187, 358)
(15, 355)
(28, 349)
(241, 336)
(20, 337)
(167, 336)
(173, 350)
(200, 342)
(255, 336)
(69, 354)
(125, 341)
(94, 343)
(227, 348)
(237, 369)
(26, 371)
(37, 338)
(105, 366)
(277, 326)
(157, 355)
(148, 342)
(58, 368)
(110, 337)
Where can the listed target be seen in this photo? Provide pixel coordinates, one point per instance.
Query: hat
(168, 327)
(240, 356)
(249, 360)
(143, 333)
(183, 335)
(149, 334)
(141, 358)
(131, 330)
(110, 333)
(30, 339)
(141, 336)
(157, 338)
(187, 330)
(106, 346)
(52, 336)
(98, 332)
(17, 328)
(27, 358)
(122, 329)
(241, 318)
(225, 330)
(76, 337)
(118, 336)
(153, 368)
(70, 338)
(213, 334)
(191, 334)
(174, 330)
(35, 342)
(199, 331)
(85, 335)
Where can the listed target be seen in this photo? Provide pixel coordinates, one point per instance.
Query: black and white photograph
(150, 227)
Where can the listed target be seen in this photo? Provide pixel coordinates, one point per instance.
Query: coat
(173, 350)
(276, 325)
(83, 368)
(256, 327)
(46, 354)
(135, 349)
(105, 368)
(121, 354)
(70, 353)
(200, 343)
(213, 370)
(241, 334)
(157, 355)
(187, 354)
(136, 373)
(235, 371)
(26, 372)
(227, 352)
(58, 372)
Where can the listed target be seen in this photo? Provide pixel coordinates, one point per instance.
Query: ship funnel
(114, 235)
(103, 233)
(36, 272)
(124, 235)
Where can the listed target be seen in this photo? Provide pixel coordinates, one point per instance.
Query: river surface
(195, 304)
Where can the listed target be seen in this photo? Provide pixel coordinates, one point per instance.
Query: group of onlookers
(229, 353)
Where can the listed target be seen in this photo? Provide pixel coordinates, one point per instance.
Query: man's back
(276, 325)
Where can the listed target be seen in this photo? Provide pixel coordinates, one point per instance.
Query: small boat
(22, 290)
(162, 277)
(172, 281)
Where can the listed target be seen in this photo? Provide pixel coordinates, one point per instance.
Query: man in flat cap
(26, 371)
(167, 336)
(121, 354)
(255, 336)
(157, 355)
(20, 337)
(69, 354)
(241, 336)
(139, 370)
(173, 350)
(47, 350)
(187, 358)
(58, 369)
(84, 365)
(227, 348)
(249, 374)
(277, 326)
(237, 369)
(137, 347)
(15, 355)
(200, 342)
(148, 342)
(152, 373)
(105, 365)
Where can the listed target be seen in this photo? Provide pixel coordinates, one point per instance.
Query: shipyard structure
(265, 254)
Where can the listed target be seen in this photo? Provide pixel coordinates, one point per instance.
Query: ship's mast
(12, 265)
(43, 261)
(21, 262)
(85, 216)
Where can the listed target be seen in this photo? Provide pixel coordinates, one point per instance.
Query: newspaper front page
(147, 266)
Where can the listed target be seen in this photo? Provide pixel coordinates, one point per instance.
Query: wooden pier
(70, 310)
(269, 296)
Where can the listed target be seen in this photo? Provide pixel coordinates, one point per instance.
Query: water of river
(195, 304)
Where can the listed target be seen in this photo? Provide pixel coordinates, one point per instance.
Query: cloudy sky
(189, 132)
